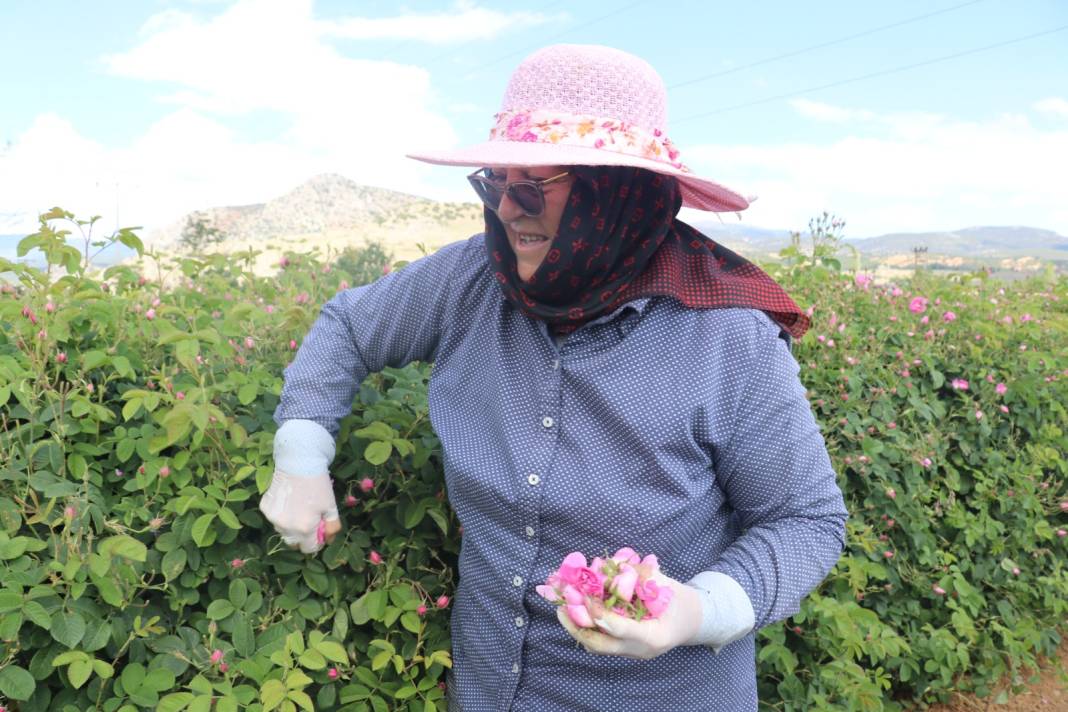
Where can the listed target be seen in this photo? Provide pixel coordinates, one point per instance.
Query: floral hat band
(605, 134)
(587, 105)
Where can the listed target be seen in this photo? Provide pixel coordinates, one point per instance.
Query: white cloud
(353, 117)
(909, 172)
(468, 22)
(825, 112)
(1053, 105)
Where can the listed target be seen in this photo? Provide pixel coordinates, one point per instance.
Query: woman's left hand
(643, 640)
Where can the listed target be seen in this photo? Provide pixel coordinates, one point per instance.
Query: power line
(829, 43)
(870, 76)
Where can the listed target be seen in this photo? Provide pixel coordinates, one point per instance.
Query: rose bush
(136, 436)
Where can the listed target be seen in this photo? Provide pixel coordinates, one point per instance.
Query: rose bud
(442, 601)
(367, 484)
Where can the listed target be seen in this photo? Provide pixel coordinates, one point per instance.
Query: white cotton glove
(302, 509)
(678, 625)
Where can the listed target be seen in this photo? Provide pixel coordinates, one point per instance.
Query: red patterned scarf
(619, 239)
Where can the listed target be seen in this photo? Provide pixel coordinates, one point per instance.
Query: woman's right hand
(302, 509)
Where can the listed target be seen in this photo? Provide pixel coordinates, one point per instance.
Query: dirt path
(1048, 694)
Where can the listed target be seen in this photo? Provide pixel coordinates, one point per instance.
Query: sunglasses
(528, 195)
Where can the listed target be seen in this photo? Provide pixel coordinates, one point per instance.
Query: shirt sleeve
(392, 322)
(779, 480)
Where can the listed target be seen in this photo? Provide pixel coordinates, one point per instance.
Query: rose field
(136, 433)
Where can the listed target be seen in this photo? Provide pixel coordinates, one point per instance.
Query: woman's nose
(508, 211)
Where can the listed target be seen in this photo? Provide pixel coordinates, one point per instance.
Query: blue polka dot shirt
(680, 432)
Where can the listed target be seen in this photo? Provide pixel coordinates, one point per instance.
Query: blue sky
(152, 109)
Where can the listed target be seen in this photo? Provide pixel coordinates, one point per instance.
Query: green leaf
(272, 693)
(159, 679)
(103, 669)
(378, 452)
(173, 563)
(201, 527)
(247, 393)
(68, 628)
(175, 702)
(37, 613)
(313, 659)
(130, 410)
(186, 352)
(244, 638)
(302, 699)
(16, 683)
(220, 609)
(79, 672)
(411, 621)
(376, 431)
(10, 601)
(333, 651)
(405, 692)
(227, 517)
(125, 546)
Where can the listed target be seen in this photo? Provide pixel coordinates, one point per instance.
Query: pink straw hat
(587, 105)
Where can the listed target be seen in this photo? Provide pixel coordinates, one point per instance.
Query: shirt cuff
(303, 448)
(726, 611)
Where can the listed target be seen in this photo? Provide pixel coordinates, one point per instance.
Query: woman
(604, 376)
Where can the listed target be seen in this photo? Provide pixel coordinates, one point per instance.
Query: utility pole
(919, 253)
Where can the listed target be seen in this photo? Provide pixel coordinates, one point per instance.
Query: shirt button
(519, 621)
(533, 479)
(556, 363)
(530, 531)
(515, 667)
(547, 422)
(517, 581)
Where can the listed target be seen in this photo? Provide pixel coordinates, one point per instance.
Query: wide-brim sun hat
(587, 105)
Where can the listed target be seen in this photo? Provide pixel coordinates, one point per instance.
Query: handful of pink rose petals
(623, 583)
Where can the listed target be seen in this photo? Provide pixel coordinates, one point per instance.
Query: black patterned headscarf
(619, 239)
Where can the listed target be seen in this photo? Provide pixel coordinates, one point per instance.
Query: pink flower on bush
(180, 395)
(367, 484)
(216, 656)
(237, 563)
(421, 610)
(1000, 389)
(862, 280)
(249, 343)
(1062, 533)
(978, 415)
(292, 345)
(150, 314)
(332, 673)
(938, 590)
(442, 602)
(61, 357)
(50, 307)
(925, 319)
(949, 316)
(350, 501)
(891, 493)
(1003, 408)
(164, 471)
(888, 554)
(959, 384)
(926, 462)
(918, 305)
(375, 557)
(223, 667)
(386, 269)
(69, 512)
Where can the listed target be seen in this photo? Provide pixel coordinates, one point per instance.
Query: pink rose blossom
(150, 314)
(949, 316)
(69, 512)
(926, 462)
(61, 357)
(918, 305)
(891, 493)
(442, 602)
(1003, 408)
(216, 656)
(332, 673)
(180, 395)
(574, 572)
(862, 280)
(350, 501)
(1015, 571)
(978, 415)
(421, 610)
(375, 557)
(656, 598)
(1000, 389)
(575, 607)
(164, 471)
(367, 484)
(959, 384)
(292, 345)
(888, 554)
(939, 590)
(925, 319)
(50, 307)
(237, 563)
(624, 582)
(249, 343)
(1062, 533)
